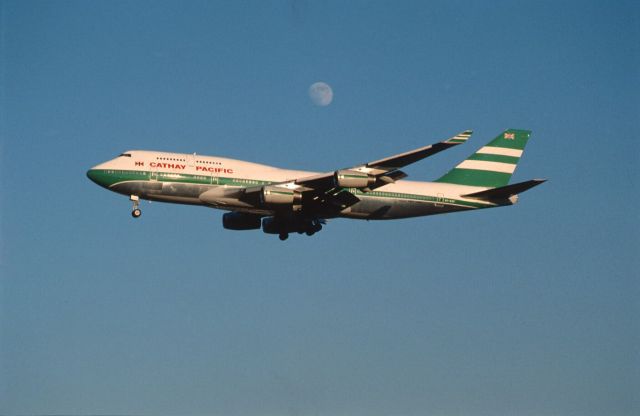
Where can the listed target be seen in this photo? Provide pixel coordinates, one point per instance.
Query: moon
(321, 94)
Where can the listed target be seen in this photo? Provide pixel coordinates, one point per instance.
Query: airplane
(283, 201)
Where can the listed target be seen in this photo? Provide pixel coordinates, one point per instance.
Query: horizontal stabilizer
(505, 192)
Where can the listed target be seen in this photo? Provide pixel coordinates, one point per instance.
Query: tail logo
(510, 136)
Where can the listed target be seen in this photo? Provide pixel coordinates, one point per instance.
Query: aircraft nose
(91, 174)
(95, 176)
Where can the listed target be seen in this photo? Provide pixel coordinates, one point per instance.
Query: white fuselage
(184, 178)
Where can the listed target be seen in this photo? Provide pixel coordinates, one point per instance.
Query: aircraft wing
(379, 172)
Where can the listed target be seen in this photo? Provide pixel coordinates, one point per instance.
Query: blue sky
(529, 310)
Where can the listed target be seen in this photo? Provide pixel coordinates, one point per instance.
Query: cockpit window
(125, 154)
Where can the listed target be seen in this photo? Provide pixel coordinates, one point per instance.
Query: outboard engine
(353, 179)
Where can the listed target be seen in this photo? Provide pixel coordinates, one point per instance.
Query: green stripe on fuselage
(108, 178)
(421, 198)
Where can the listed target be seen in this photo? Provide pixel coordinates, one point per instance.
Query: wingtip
(460, 137)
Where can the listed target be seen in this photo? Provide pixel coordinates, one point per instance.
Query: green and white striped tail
(492, 165)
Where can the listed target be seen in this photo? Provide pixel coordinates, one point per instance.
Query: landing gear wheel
(136, 203)
(283, 236)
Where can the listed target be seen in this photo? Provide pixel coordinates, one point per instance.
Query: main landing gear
(313, 227)
(308, 227)
(136, 204)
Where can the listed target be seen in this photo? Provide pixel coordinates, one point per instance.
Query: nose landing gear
(136, 212)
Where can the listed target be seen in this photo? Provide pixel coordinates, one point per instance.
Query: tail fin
(492, 165)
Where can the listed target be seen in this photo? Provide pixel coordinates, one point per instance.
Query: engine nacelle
(241, 221)
(278, 196)
(353, 179)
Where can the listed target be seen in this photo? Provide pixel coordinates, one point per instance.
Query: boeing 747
(283, 201)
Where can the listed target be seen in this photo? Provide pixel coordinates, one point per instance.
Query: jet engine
(279, 196)
(353, 179)
(241, 221)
